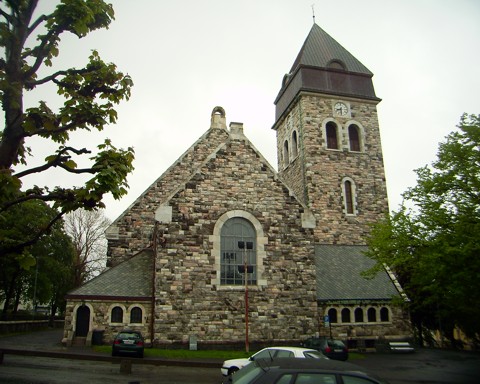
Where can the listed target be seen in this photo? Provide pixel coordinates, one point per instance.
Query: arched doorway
(83, 321)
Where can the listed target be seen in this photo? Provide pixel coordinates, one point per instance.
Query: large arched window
(136, 315)
(294, 145)
(332, 136)
(346, 315)
(354, 137)
(238, 252)
(117, 315)
(372, 315)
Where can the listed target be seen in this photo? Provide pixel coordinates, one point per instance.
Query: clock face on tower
(340, 109)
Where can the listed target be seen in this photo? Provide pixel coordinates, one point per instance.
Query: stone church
(222, 249)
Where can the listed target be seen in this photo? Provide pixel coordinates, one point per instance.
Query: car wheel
(114, 353)
(140, 354)
(232, 370)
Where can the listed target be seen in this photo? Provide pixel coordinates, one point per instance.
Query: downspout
(154, 265)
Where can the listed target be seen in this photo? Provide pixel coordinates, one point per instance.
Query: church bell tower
(328, 140)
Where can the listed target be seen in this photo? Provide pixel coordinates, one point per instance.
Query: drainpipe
(154, 265)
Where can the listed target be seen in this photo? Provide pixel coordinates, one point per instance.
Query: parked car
(128, 342)
(333, 349)
(233, 365)
(304, 371)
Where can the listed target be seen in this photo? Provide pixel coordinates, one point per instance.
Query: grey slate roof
(319, 49)
(129, 279)
(338, 275)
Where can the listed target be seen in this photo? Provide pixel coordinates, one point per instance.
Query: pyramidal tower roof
(321, 50)
(323, 66)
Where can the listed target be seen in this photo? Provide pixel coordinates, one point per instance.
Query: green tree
(433, 241)
(90, 95)
(43, 273)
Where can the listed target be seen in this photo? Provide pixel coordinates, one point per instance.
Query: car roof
(299, 349)
(292, 363)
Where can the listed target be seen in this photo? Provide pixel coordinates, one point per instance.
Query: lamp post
(35, 289)
(245, 245)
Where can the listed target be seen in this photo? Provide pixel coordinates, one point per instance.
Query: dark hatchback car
(333, 349)
(128, 342)
(302, 371)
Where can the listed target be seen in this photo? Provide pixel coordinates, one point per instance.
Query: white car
(231, 366)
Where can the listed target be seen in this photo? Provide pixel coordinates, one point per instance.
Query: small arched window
(358, 315)
(346, 315)
(332, 139)
(117, 315)
(354, 137)
(294, 145)
(348, 197)
(372, 315)
(332, 315)
(286, 157)
(384, 315)
(136, 315)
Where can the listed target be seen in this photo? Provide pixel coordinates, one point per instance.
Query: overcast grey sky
(186, 57)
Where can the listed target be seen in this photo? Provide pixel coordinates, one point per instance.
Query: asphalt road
(424, 366)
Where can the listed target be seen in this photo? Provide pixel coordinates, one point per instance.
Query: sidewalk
(48, 343)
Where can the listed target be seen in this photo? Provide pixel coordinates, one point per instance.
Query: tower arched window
(346, 318)
(332, 315)
(294, 145)
(286, 157)
(372, 315)
(332, 136)
(354, 137)
(238, 252)
(348, 197)
(358, 315)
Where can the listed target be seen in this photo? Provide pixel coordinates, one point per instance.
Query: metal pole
(35, 289)
(246, 299)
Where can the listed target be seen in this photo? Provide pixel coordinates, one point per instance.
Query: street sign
(326, 320)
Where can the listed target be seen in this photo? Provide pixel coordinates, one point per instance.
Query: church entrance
(83, 321)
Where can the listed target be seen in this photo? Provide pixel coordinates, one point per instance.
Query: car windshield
(247, 374)
(128, 335)
(336, 344)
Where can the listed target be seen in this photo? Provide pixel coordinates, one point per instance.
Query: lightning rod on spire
(313, 13)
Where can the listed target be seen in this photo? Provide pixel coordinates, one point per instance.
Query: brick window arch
(331, 131)
(258, 248)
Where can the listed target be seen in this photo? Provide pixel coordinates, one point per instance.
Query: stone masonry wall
(326, 168)
(189, 303)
